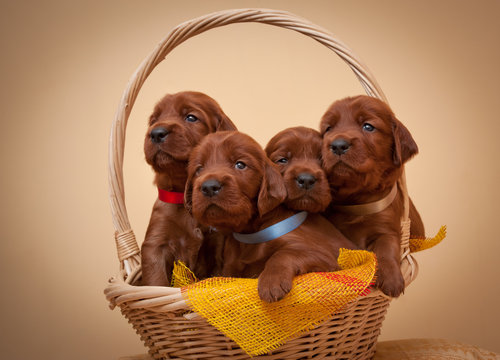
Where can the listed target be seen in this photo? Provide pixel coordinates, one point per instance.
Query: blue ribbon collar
(274, 231)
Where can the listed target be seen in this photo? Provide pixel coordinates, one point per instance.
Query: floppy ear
(224, 123)
(188, 194)
(272, 190)
(404, 145)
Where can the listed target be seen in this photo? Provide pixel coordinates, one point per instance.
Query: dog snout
(211, 187)
(340, 146)
(305, 181)
(158, 135)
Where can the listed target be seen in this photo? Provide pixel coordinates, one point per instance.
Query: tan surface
(431, 349)
(65, 64)
(413, 349)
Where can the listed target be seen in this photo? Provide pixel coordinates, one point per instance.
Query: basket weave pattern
(160, 315)
(350, 334)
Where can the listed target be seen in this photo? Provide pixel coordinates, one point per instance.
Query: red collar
(171, 197)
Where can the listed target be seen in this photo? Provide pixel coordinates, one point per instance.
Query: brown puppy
(178, 123)
(297, 152)
(364, 148)
(233, 186)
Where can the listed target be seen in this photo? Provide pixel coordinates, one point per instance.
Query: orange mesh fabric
(233, 306)
(424, 244)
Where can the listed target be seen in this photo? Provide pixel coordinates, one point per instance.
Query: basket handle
(128, 249)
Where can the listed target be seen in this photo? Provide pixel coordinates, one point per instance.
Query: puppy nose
(305, 181)
(158, 135)
(211, 187)
(340, 146)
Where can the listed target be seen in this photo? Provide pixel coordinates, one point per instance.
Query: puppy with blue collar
(233, 186)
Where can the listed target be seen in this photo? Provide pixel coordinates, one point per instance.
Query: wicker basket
(160, 315)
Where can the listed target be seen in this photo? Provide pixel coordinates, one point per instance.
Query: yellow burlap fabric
(233, 306)
(426, 243)
(182, 275)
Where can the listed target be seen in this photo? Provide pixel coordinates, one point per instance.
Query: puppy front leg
(232, 266)
(157, 264)
(276, 280)
(389, 277)
(157, 255)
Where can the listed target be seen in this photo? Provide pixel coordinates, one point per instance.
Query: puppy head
(364, 145)
(230, 181)
(177, 124)
(297, 152)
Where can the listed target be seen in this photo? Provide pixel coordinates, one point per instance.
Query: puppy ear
(188, 194)
(404, 145)
(272, 190)
(155, 115)
(224, 123)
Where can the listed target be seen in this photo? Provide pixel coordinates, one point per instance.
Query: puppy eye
(328, 128)
(198, 170)
(240, 165)
(368, 127)
(282, 160)
(191, 118)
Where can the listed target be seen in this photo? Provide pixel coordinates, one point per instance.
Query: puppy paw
(390, 280)
(273, 287)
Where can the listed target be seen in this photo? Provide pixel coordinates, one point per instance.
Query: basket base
(349, 334)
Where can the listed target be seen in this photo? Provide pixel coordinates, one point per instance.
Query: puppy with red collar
(177, 124)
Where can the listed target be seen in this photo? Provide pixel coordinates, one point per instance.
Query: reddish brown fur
(172, 233)
(297, 152)
(249, 197)
(366, 172)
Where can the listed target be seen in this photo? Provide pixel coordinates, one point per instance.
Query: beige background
(64, 65)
